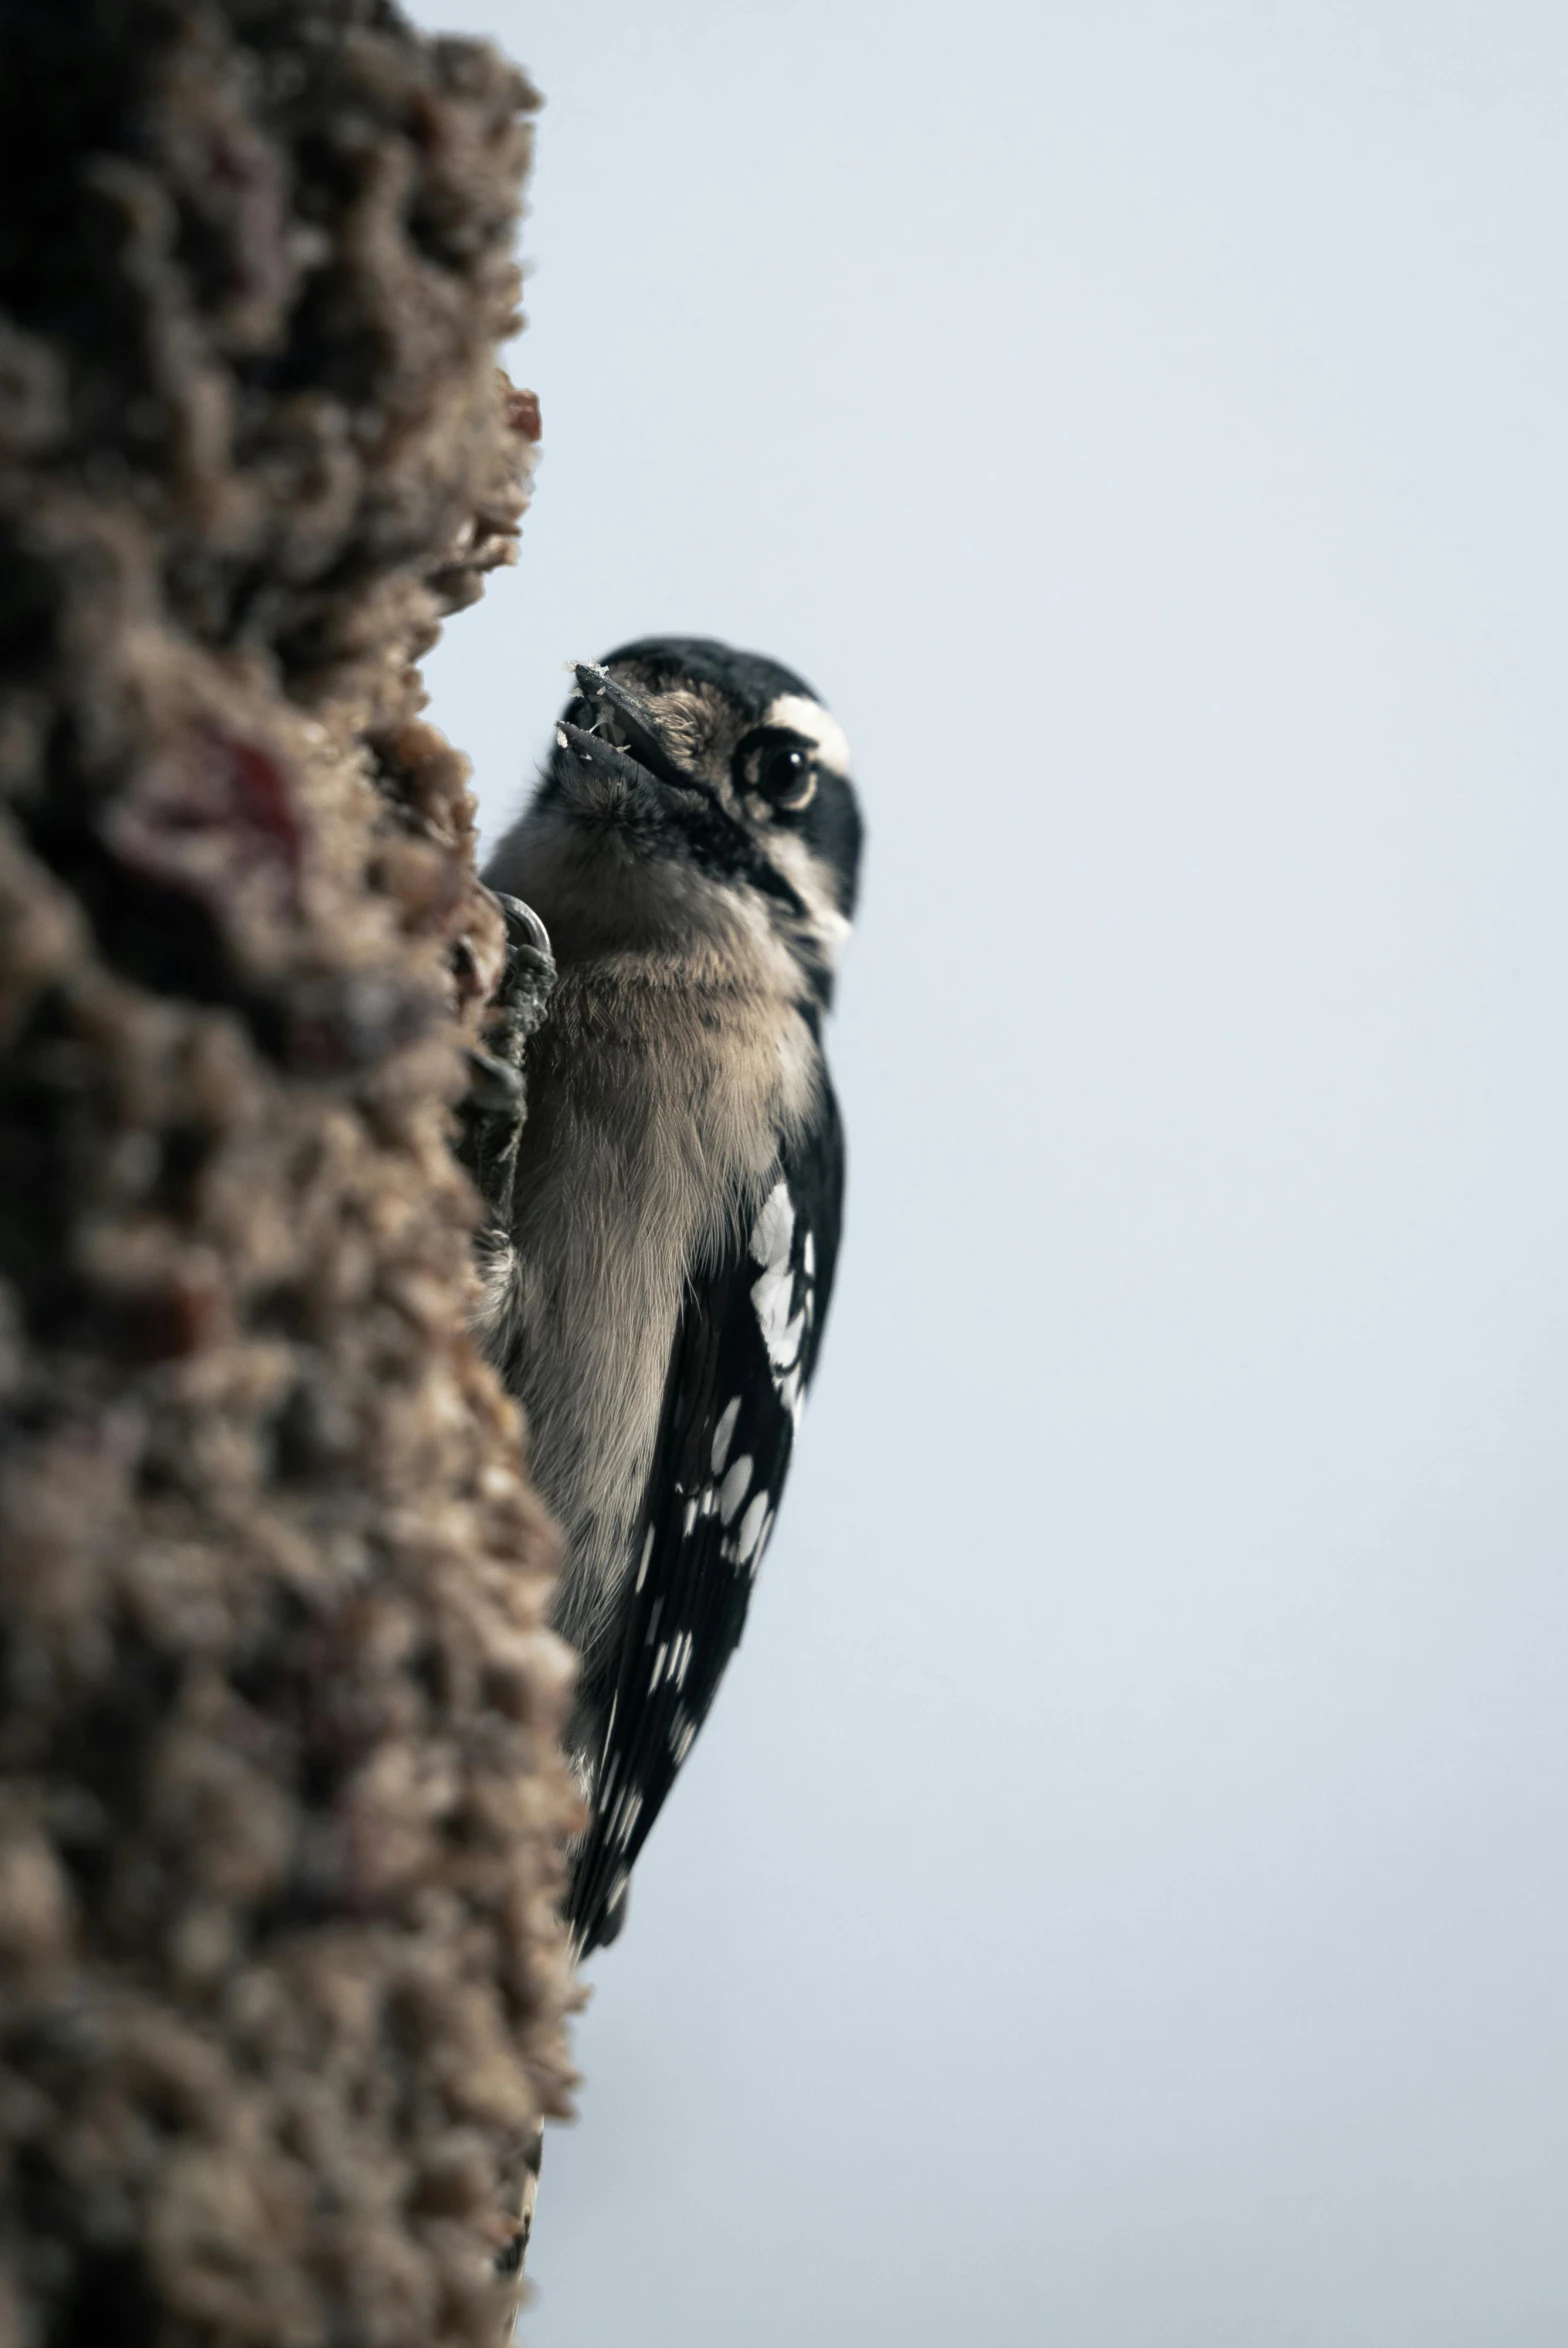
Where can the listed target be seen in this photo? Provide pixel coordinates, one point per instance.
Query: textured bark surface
(280, 1984)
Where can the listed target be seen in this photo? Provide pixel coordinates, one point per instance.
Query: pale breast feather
(742, 1361)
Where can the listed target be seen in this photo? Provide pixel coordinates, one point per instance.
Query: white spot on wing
(749, 1531)
(772, 1296)
(774, 1229)
(776, 1291)
(734, 1487)
(724, 1435)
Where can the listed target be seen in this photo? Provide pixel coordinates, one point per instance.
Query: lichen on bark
(281, 1984)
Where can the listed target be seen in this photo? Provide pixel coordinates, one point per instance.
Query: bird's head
(726, 765)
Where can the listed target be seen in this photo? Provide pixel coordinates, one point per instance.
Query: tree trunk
(281, 1986)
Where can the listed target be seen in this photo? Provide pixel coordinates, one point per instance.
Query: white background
(1121, 1899)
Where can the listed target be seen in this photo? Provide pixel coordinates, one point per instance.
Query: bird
(662, 1245)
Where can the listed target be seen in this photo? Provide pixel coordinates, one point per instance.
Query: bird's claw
(492, 1111)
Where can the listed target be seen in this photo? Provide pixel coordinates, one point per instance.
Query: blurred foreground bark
(280, 1982)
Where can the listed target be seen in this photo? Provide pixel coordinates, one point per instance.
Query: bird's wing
(743, 1357)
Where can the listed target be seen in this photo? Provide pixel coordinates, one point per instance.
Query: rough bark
(281, 1985)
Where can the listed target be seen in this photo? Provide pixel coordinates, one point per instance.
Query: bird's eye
(777, 765)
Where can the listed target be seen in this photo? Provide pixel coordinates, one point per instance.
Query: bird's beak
(646, 764)
(635, 717)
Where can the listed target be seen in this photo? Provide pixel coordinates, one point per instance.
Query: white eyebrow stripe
(819, 725)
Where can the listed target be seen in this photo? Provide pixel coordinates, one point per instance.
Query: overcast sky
(1121, 1897)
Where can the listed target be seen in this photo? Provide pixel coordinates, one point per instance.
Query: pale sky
(1121, 1897)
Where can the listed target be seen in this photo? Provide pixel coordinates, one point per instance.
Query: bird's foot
(492, 1111)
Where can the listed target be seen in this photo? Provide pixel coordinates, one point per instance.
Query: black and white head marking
(727, 763)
